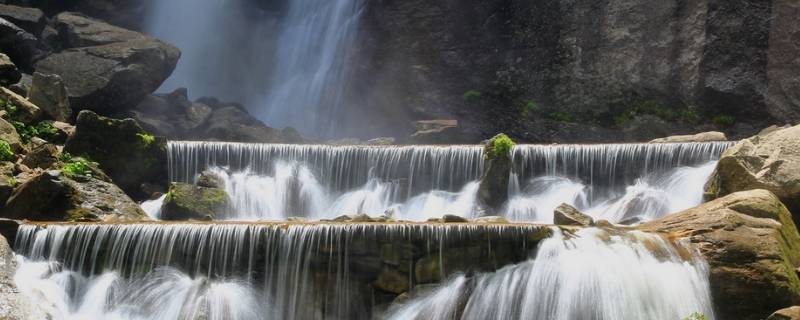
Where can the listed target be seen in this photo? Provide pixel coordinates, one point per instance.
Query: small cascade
(590, 275)
(616, 182)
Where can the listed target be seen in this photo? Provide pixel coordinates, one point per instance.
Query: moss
(9, 108)
(696, 316)
(530, 108)
(500, 146)
(77, 166)
(81, 214)
(43, 130)
(147, 139)
(184, 201)
(6, 153)
(471, 95)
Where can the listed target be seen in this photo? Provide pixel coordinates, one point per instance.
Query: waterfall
(593, 274)
(287, 63)
(616, 182)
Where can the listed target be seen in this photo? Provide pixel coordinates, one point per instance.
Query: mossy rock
(128, 154)
(493, 188)
(186, 202)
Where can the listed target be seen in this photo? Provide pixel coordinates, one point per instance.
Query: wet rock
(186, 202)
(451, 218)
(231, 123)
(752, 246)
(491, 219)
(63, 131)
(210, 179)
(108, 68)
(8, 71)
(791, 313)
(42, 156)
(7, 180)
(568, 215)
(21, 46)
(770, 161)
(493, 188)
(700, 137)
(354, 218)
(196, 115)
(435, 131)
(26, 112)
(128, 154)
(49, 93)
(30, 19)
(53, 196)
(391, 280)
(381, 141)
(14, 305)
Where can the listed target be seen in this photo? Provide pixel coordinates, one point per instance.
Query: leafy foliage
(9, 107)
(724, 120)
(696, 316)
(502, 145)
(529, 108)
(472, 95)
(76, 166)
(147, 139)
(6, 153)
(44, 130)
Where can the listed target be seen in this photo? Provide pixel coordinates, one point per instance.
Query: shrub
(689, 115)
(530, 107)
(472, 95)
(6, 153)
(9, 107)
(147, 139)
(76, 166)
(44, 130)
(502, 145)
(560, 116)
(724, 120)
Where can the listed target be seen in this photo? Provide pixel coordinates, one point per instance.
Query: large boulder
(54, 196)
(232, 123)
(21, 46)
(14, 305)
(493, 188)
(752, 247)
(31, 20)
(49, 93)
(568, 215)
(9, 74)
(768, 161)
(26, 111)
(190, 202)
(128, 154)
(107, 68)
(9, 134)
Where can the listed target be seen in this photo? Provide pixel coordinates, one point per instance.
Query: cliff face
(584, 70)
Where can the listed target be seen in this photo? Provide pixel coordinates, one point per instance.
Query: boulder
(769, 161)
(53, 196)
(128, 154)
(26, 112)
(14, 305)
(567, 215)
(491, 220)
(435, 131)
(451, 218)
(8, 71)
(493, 188)
(43, 156)
(190, 202)
(392, 280)
(700, 137)
(21, 46)
(210, 179)
(107, 68)
(791, 313)
(49, 93)
(9, 134)
(231, 123)
(752, 247)
(31, 20)
(196, 115)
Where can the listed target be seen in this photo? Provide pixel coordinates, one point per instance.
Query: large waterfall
(616, 182)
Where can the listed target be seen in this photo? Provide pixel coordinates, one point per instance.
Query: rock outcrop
(9, 74)
(190, 202)
(493, 188)
(752, 246)
(21, 46)
(106, 68)
(768, 161)
(49, 93)
(128, 154)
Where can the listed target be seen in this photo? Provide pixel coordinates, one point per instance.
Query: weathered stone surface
(8, 71)
(791, 313)
(27, 112)
(233, 124)
(391, 280)
(43, 156)
(770, 161)
(128, 154)
(49, 93)
(31, 20)
(435, 131)
(451, 218)
(699, 137)
(493, 188)
(14, 305)
(210, 179)
(9, 134)
(21, 46)
(52, 196)
(568, 215)
(109, 68)
(7, 181)
(185, 202)
(491, 219)
(752, 247)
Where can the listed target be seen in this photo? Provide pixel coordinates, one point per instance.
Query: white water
(623, 182)
(593, 275)
(288, 62)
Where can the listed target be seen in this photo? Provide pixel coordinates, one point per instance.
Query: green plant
(696, 316)
(560, 116)
(76, 166)
(689, 115)
(44, 130)
(147, 139)
(724, 120)
(6, 153)
(12, 182)
(622, 119)
(530, 107)
(502, 145)
(472, 95)
(9, 107)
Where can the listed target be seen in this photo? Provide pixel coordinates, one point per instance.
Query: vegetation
(724, 120)
(43, 130)
(8, 107)
(560, 116)
(6, 153)
(147, 139)
(472, 95)
(686, 114)
(502, 145)
(696, 316)
(77, 166)
(529, 108)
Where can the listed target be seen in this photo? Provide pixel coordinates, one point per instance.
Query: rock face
(493, 188)
(27, 112)
(13, 304)
(106, 68)
(791, 313)
(8, 71)
(52, 196)
(769, 161)
(185, 202)
(128, 154)
(9, 134)
(21, 46)
(49, 93)
(435, 131)
(699, 137)
(752, 247)
(31, 20)
(568, 215)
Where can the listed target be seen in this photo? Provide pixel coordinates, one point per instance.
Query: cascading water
(618, 182)
(591, 275)
(288, 63)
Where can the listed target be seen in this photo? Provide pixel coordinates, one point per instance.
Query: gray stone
(189, 202)
(8, 71)
(27, 112)
(43, 156)
(31, 20)
(49, 93)
(568, 215)
(21, 46)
